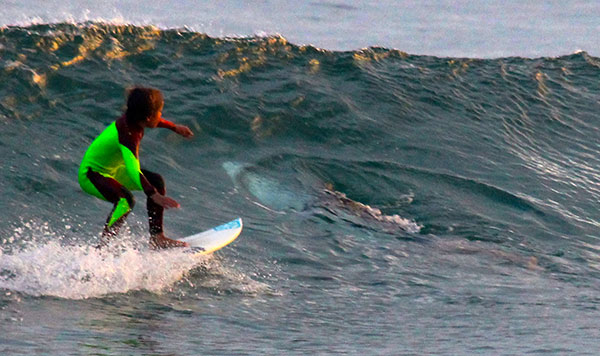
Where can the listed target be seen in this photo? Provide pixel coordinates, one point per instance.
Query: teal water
(393, 204)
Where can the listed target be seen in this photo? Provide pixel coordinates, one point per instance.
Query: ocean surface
(448, 28)
(395, 203)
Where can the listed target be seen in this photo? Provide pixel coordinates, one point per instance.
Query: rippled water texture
(393, 203)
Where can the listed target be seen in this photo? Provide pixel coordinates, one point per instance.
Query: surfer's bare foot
(161, 241)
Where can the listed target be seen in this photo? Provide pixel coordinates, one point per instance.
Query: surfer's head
(144, 106)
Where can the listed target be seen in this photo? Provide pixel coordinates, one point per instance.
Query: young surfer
(110, 168)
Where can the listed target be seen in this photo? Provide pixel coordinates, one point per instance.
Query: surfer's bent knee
(121, 209)
(127, 195)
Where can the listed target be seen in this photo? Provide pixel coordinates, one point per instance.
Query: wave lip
(414, 28)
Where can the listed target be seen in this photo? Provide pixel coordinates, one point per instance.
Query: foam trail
(79, 272)
(341, 201)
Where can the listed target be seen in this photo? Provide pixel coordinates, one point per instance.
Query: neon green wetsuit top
(115, 154)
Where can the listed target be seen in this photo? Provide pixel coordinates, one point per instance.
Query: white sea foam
(38, 259)
(81, 271)
(367, 211)
(406, 224)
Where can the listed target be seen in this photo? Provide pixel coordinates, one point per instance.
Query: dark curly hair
(143, 103)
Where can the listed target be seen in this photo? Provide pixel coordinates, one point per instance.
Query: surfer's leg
(155, 214)
(155, 211)
(117, 194)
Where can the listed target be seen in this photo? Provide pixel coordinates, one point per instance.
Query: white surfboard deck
(209, 241)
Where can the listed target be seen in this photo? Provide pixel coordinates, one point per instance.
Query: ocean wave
(496, 150)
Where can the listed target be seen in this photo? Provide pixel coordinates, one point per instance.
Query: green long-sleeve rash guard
(115, 153)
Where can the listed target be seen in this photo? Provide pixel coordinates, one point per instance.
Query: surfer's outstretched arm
(179, 129)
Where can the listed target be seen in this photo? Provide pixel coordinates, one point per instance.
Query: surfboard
(209, 241)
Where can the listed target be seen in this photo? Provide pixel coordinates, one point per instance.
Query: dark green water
(393, 204)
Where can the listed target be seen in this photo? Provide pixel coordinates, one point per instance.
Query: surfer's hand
(184, 131)
(164, 201)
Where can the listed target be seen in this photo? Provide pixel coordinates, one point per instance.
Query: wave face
(384, 194)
